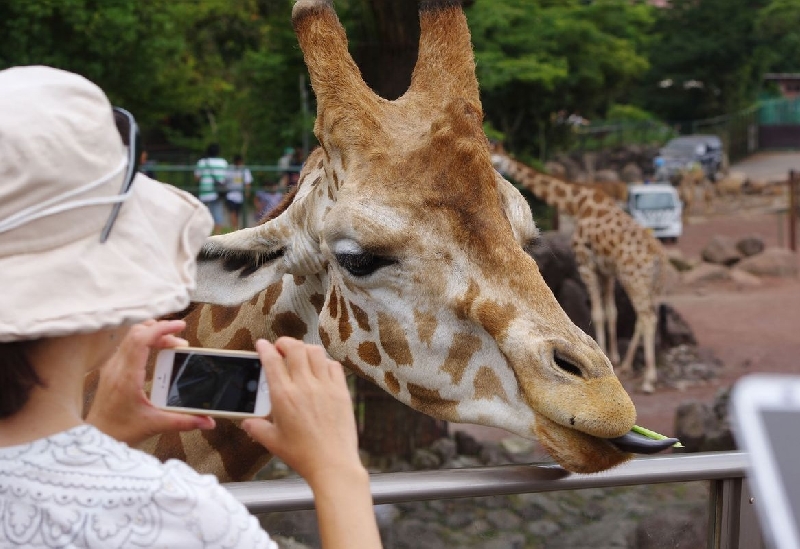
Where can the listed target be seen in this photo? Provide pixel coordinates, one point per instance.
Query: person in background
(90, 252)
(146, 165)
(239, 180)
(296, 165)
(267, 198)
(284, 165)
(211, 173)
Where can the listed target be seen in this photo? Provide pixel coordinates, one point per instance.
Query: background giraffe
(402, 253)
(691, 182)
(609, 246)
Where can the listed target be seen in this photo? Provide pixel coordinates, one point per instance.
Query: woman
(89, 252)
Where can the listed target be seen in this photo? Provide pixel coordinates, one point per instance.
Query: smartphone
(765, 414)
(211, 382)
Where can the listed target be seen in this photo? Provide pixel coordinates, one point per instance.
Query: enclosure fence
(738, 132)
(732, 520)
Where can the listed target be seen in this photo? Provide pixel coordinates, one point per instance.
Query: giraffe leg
(611, 319)
(649, 333)
(592, 282)
(627, 362)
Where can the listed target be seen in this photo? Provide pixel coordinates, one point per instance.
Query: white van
(658, 207)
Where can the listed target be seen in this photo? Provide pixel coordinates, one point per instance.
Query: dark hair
(212, 150)
(17, 377)
(237, 158)
(123, 127)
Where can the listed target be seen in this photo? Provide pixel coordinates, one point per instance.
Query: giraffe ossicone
(402, 253)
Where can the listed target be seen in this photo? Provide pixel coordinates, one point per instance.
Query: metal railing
(732, 519)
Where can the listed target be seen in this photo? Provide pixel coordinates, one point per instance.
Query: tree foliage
(193, 71)
(538, 57)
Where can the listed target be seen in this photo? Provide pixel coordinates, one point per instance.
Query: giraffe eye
(363, 263)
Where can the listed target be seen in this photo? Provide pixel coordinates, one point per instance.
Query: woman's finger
(273, 364)
(296, 357)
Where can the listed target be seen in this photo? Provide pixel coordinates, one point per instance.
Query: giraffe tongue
(639, 444)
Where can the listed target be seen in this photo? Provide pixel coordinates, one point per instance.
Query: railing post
(792, 211)
(732, 519)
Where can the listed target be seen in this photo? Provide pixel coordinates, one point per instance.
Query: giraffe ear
(234, 267)
(517, 211)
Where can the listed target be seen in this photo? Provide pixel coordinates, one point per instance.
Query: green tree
(778, 35)
(705, 59)
(536, 58)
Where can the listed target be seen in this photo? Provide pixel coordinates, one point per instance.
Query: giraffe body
(609, 246)
(401, 252)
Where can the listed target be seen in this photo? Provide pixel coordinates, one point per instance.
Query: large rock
(606, 176)
(705, 272)
(574, 299)
(750, 245)
(556, 169)
(721, 250)
(631, 173)
(771, 262)
(705, 426)
(555, 259)
(744, 279)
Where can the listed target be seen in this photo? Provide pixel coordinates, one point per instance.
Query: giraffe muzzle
(634, 443)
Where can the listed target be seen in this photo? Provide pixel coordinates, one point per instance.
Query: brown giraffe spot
(324, 337)
(333, 303)
(430, 401)
(242, 340)
(487, 385)
(369, 353)
(227, 434)
(496, 318)
(271, 295)
(317, 300)
(330, 193)
(391, 383)
(345, 330)
(289, 324)
(353, 367)
(464, 303)
(560, 191)
(361, 317)
(335, 180)
(299, 280)
(170, 446)
(461, 351)
(318, 179)
(222, 317)
(393, 340)
(320, 163)
(426, 326)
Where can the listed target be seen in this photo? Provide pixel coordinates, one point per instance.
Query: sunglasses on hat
(129, 132)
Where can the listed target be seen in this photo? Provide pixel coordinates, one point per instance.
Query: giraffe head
(402, 253)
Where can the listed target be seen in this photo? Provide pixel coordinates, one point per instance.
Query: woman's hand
(121, 407)
(313, 429)
(312, 426)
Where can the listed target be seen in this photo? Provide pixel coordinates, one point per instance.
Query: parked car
(658, 207)
(681, 152)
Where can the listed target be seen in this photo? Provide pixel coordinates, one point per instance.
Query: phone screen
(781, 427)
(208, 382)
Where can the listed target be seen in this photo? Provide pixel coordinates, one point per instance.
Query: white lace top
(83, 489)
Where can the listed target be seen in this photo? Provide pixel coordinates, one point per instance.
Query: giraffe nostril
(566, 365)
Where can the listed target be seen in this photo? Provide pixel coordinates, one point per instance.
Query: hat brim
(144, 270)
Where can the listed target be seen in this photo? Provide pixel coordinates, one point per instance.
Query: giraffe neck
(566, 197)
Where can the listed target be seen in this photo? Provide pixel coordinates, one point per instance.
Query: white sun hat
(62, 167)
